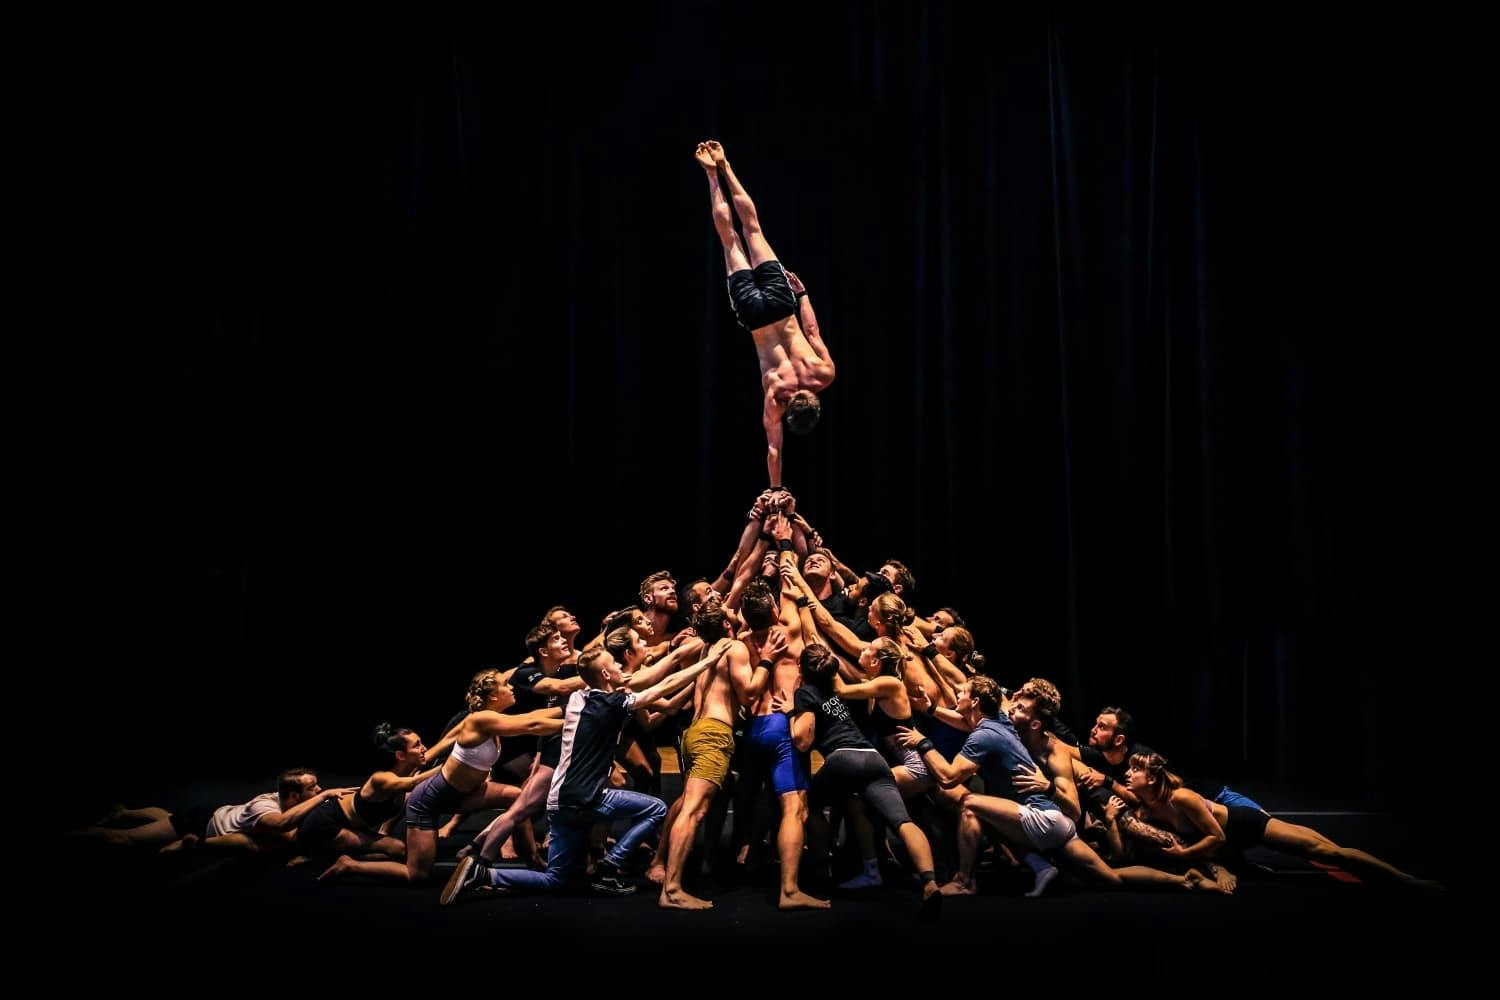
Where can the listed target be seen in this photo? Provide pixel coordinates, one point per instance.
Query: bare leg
(920, 852)
(910, 787)
(421, 849)
(1084, 859)
(658, 871)
(696, 795)
(1309, 843)
(734, 253)
(755, 240)
(917, 847)
(490, 795)
(1003, 814)
(357, 842)
(789, 838)
(523, 845)
(530, 803)
(119, 816)
(153, 833)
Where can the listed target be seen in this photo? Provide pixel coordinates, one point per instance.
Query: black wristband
(802, 601)
(875, 585)
(785, 545)
(930, 650)
(925, 746)
(767, 663)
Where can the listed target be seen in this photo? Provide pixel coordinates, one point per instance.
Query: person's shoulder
(1185, 796)
(982, 733)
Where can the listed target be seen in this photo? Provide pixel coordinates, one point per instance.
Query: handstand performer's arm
(771, 415)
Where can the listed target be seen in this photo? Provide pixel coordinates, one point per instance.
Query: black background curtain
(434, 335)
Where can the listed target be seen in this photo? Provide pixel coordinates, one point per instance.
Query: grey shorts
(1046, 828)
(914, 764)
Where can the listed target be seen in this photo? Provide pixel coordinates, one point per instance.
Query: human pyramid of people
(787, 652)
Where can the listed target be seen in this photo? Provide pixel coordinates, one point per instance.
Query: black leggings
(866, 774)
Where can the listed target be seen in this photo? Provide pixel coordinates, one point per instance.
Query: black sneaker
(607, 879)
(469, 877)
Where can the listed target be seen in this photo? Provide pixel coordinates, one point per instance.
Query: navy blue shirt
(997, 748)
(591, 731)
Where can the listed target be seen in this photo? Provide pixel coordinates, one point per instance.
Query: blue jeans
(570, 839)
(1229, 797)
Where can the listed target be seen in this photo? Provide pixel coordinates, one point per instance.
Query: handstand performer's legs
(755, 240)
(723, 216)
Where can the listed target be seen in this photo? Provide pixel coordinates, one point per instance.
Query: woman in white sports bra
(464, 784)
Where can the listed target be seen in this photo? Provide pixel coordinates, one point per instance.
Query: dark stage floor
(198, 898)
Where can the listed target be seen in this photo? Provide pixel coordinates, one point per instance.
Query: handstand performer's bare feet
(704, 157)
(801, 901)
(716, 151)
(681, 899)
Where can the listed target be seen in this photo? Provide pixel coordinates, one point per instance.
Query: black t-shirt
(850, 615)
(1061, 731)
(527, 700)
(833, 729)
(550, 747)
(1095, 759)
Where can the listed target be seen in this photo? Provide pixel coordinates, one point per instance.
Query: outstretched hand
(797, 287)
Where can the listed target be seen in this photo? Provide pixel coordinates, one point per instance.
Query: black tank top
(375, 813)
(883, 725)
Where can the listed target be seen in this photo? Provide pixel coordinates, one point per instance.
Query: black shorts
(1246, 827)
(321, 825)
(762, 296)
